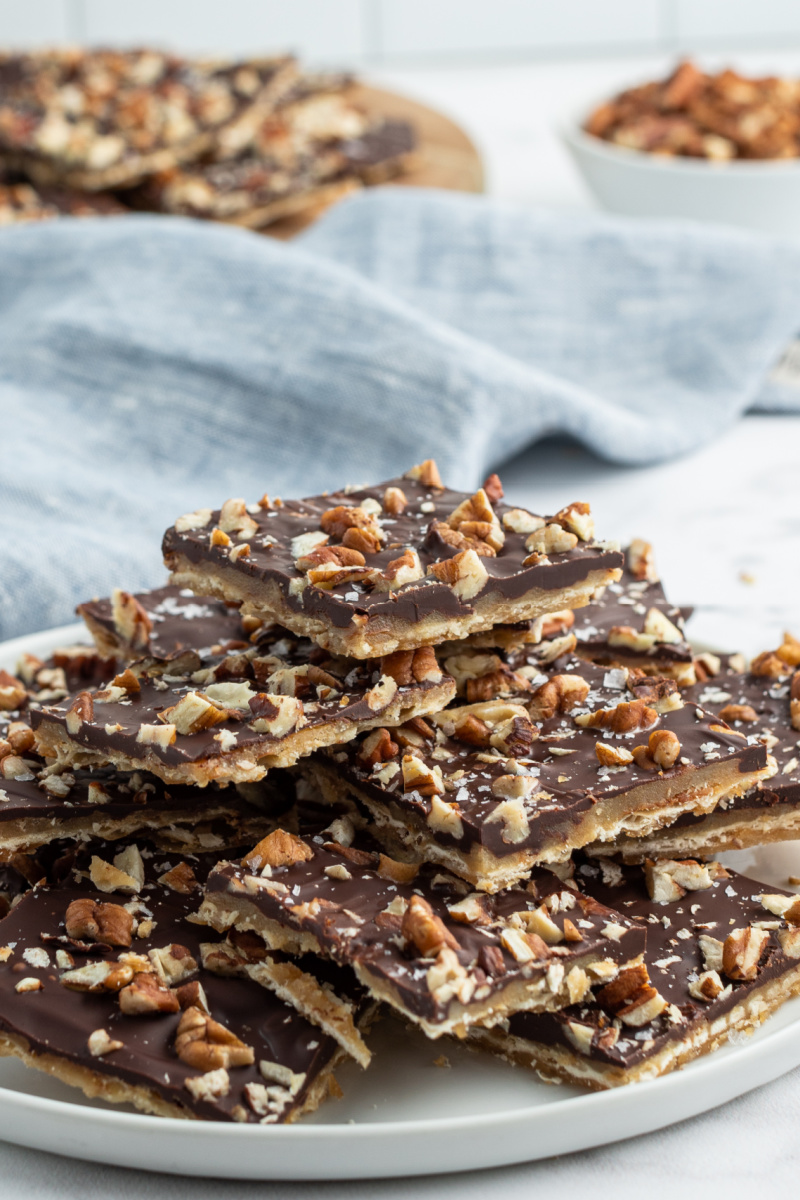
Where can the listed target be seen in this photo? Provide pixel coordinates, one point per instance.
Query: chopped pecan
(130, 619)
(768, 665)
(493, 488)
(659, 693)
(205, 1045)
(742, 951)
(519, 520)
(501, 682)
(626, 717)
(193, 712)
(234, 518)
(127, 680)
(552, 539)
(475, 520)
(427, 932)
(99, 1043)
(336, 521)
(670, 879)
(659, 626)
(81, 710)
(794, 702)
(426, 473)
(192, 995)
(472, 730)
(559, 694)
(661, 752)
(641, 561)
(93, 921)
(490, 960)
(98, 977)
(146, 995)
(398, 872)
(425, 666)
(642, 1003)
(620, 991)
(577, 518)
(612, 756)
(571, 931)
(20, 737)
(278, 849)
(418, 777)
(394, 501)
(464, 573)
(789, 651)
(342, 556)
(738, 712)
(377, 747)
(365, 541)
(557, 623)
(706, 987)
(172, 964)
(180, 878)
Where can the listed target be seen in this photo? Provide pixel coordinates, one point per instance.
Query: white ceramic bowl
(762, 195)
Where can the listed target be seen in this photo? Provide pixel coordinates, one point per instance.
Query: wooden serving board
(447, 157)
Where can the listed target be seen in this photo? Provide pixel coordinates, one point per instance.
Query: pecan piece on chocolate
(278, 849)
(426, 473)
(93, 921)
(424, 930)
(742, 951)
(626, 717)
(146, 995)
(205, 1045)
(377, 747)
(559, 694)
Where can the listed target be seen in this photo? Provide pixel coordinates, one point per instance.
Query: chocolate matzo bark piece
(306, 154)
(629, 623)
(764, 705)
(39, 806)
(165, 624)
(393, 567)
(103, 987)
(416, 938)
(97, 119)
(722, 955)
(229, 719)
(490, 789)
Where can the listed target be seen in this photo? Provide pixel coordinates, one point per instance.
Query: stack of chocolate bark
(101, 132)
(392, 749)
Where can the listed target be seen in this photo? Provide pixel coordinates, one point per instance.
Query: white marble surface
(732, 508)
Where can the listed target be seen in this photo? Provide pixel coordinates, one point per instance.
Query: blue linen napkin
(150, 365)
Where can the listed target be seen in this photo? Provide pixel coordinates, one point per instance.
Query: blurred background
(512, 74)
(509, 71)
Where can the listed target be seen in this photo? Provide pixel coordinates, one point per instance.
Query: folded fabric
(149, 365)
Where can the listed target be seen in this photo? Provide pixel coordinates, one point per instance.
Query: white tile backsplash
(322, 31)
(445, 27)
(35, 22)
(721, 22)
(402, 32)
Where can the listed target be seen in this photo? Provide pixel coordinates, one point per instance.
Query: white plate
(405, 1116)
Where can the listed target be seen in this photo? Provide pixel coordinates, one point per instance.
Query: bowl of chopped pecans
(721, 148)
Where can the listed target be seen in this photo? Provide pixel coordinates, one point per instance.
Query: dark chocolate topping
(674, 959)
(271, 557)
(282, 669)
(179, 621)
(355, 912)
(58, 1021)
(567, 784)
